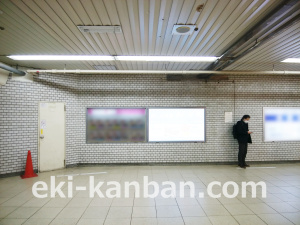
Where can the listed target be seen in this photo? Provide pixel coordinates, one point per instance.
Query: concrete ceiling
(50, 27)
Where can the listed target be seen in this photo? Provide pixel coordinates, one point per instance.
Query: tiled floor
(282, 206)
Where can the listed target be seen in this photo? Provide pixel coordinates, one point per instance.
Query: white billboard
(281, 123)
(176, 125)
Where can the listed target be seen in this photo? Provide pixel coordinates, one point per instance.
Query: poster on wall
(281, 123)
(176, 125)
(115, 125)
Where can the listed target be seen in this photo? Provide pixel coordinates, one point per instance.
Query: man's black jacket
(242, 132)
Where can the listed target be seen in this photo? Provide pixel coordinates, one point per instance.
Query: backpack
(234, 131)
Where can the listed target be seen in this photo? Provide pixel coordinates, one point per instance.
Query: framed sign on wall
(281, 123)
(176, 124)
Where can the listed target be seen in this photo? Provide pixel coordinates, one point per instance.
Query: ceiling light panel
(291, 60)
(168, 58)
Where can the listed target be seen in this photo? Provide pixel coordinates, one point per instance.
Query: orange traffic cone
(29, 168)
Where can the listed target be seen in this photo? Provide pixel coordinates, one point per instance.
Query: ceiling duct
(283, 16)
(100, 29)
(11, 69)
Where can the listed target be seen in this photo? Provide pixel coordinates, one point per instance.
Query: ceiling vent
(183, 29)
(100, 29)
(104, 67)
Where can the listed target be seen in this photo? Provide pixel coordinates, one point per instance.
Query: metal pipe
(287, 10)
(195, 72)
(11, 69)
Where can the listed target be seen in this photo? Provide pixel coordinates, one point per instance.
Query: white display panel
(176, 125)
(281, 124)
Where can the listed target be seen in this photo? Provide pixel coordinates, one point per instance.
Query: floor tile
(57, 202)
(223, 220)
(144, 212)
(168, 211)
(293, 217)
(122, 202)
(96, 212)
(12, 221)
(85, 221)
(64, 221)
(22, 212)
(16, 201)
(196, 220)
(282, 207)
(5, 210)
(2, 200)
(47, 213)
(117, 221)
(165, 202)
(215, 210)
(187, 211)
(36, 202)
(249, 220)
(260, 208)
(69, 213)
(38, 221)
(143, 221)
(238, 209)
(116, 212)
(144, 202)
(274, 219)
(79, 202)
(101, 202)
(187, 201)
(170, 221)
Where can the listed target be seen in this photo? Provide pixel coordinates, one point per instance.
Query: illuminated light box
(281, 124)
(115, 125)
(176, 125)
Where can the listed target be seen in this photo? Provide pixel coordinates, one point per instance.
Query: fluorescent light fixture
(61, 57)
(168, 58)
(291, 60)
(122, 58)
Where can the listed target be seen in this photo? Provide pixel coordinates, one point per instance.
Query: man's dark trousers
(242, 153)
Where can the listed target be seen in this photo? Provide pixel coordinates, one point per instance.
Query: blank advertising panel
(281, 124)
(115, 125)
(176, 125)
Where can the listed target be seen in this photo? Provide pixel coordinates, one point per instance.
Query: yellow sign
(41, 131)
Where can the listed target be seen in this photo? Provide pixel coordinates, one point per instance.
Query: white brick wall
(19, 110)
(19, 118)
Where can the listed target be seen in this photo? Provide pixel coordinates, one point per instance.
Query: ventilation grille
(100, 29)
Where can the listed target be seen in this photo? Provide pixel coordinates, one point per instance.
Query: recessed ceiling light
(61, 57)
(291, 60)
(183, 29)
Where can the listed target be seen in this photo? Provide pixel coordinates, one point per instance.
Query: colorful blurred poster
(117, 125)
(281, 124)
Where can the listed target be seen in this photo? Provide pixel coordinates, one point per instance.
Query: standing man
(243, 137)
